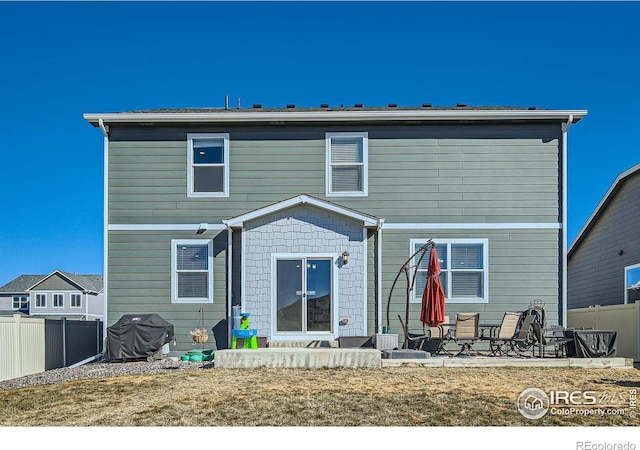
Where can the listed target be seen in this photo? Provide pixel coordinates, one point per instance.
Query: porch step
(309, 358)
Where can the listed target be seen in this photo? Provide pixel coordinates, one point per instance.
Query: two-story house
(59, 294)
(303, 216)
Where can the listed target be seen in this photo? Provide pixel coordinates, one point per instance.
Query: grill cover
(137, 336)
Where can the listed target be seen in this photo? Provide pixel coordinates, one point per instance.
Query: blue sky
(60, 60)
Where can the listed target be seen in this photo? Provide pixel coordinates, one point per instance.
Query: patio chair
(467, 332)
(502, 343)
(413, 338)
(429, 339)
(524, 337)
(557, 340)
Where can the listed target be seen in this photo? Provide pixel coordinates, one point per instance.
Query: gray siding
(595, 267)
(55, 283)
(422, 173)
(140, 281)
(523, 267)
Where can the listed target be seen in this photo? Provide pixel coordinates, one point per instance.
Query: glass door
(304, 295)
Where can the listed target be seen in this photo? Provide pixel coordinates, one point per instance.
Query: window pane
(633, 285)
(467, 284)
(208, 151)
(192, 257)
(347, 179)
(193, 285)
(466, 256)
(346, 150)
(208, 179)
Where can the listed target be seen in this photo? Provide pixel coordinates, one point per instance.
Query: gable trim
(238, 221)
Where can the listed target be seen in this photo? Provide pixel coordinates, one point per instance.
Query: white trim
(243, 271)
(229, 285)
(71, 300)
(365, 270)
(53, 300)
(379, 270)
(472, 226)
(564, 239)
(485, 263)
(335, 298)
(35, 300)
(174, 278)
(238, 221)
(190, 164)
(426, 114)
(27, 301)
(163, 227)
(626, 269)
(613, 188)
(365, 164)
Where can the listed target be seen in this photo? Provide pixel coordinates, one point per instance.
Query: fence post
(97, 336)
(64, 341)
(17, 344)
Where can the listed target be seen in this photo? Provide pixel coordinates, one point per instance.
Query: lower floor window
(463, 269)
(20, 301)
(58, 300)
(76, 301)
(632, 283)
(192, 271)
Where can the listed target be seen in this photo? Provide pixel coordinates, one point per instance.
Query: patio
(316, 358)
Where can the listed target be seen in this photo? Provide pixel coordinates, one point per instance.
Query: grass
(400, 397)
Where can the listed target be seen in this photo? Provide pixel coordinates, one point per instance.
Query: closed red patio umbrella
(432, 312)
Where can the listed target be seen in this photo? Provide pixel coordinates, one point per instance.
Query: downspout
(565, 128)
(105, 133)
(379, 273)
(229, 283)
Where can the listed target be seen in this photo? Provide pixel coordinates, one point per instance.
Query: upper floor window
(192, 271)
(347, 164)
(41, 300)
(208, 165)
(464, 273)
(76, 300)
(58, 300)
(632, 283)
(20, 301)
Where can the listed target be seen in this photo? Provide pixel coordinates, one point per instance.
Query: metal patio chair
(502, 343)
(467, 332)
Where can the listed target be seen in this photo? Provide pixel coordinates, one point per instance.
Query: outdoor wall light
(345, 258)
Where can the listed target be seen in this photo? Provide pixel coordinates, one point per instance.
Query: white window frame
(79, 305)
(190, 164)
(23, 301)
(416, 297)
(41, 298)
(365, 164)
(626, 291)
(55, 297)
(174, 270)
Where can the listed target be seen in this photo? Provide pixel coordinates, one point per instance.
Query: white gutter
(335, 115)
(105, 133)
(565, 128)
(379, 274)
(229, 284)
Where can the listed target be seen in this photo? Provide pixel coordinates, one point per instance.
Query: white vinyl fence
(625, 319)
(22, 346)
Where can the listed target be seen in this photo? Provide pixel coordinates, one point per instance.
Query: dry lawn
(404, 397)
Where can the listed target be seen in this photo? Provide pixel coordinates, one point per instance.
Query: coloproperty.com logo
(534, 403)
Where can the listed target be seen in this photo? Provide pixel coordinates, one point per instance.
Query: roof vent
(461, 105)
(426, 105)
(257, 106)
(291, 105)
(393, 105)
(324, 105)
(358, 105)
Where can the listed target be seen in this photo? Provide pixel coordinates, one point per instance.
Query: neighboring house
(59, 294)
(211, 208)
(604, 258)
